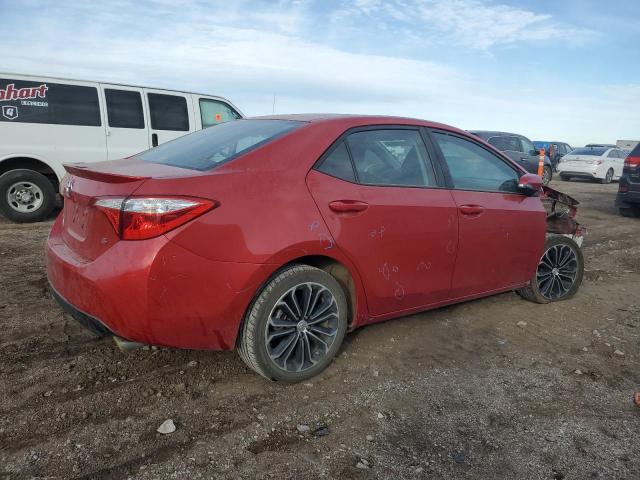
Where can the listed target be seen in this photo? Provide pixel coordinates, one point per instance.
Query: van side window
(213, 112)
(53, 103)
(124, 108)
(168, 112)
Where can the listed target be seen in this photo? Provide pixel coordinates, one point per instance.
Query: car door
(618, 163)
(528, 151)
(170, 115)
(380, 196)
(126, 129)
(501, 232)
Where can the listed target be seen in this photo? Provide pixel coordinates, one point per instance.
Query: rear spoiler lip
(80, 170)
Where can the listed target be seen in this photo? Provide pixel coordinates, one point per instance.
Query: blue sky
(563, 70)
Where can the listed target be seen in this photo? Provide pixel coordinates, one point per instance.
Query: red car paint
(405, 249)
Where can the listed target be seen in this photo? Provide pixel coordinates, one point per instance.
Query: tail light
(139, 218)
(632, 162)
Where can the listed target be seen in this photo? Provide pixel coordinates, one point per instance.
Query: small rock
(362, 466)
(380, 416)
(596, 333)
(369, 438)
(321, 431)
(419, 470)
(521, 323)
(167, 427)
(308, 384)
(585, 349)
(618, 352)
(261, 416)
(192, 363)
(303, 428)
(48, 393)
(578, 372)
(376, 373)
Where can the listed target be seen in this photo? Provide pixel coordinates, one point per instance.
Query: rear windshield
(596, 151)
(208, 148)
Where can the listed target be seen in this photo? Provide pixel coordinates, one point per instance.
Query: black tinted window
(168, 112)
(505, 143)
(338, 164)
(391, 157)
(205, 149)
(124, 108)
(595, 151)
(636, 151)
(45, 102)
(474, 168)
(527, 146)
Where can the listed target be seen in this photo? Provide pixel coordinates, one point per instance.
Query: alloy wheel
(301, 327)
(557, 271)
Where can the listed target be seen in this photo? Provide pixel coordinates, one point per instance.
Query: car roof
(350, 121)
(494, 133)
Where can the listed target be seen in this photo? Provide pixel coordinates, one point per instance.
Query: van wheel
(295, 325)
(559, 273)
(26, 196)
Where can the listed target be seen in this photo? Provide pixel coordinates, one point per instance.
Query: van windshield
(208, 148)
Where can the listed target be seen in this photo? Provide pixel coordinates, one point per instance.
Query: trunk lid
(86, 230)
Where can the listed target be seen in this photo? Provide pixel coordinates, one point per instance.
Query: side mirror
(529, 184)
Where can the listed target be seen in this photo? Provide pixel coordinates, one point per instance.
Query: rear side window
(636, 151)
(168, 112)
(52, 103)
(527, 146)
(124, 108)
(338, 164)
(391, 157)
(210, 147)
(213, 112)
(505, 143)
(473, 168)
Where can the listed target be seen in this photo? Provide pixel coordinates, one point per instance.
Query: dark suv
(519, 148)
(560, 149)
(628, 199)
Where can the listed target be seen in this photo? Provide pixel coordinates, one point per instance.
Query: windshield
(597, 152)
(208, 148)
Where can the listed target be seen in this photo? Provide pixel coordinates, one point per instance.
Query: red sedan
(276, 235)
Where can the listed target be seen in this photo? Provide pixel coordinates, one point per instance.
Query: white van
(45, 122)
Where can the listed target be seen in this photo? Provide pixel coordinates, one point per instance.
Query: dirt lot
(461, 392)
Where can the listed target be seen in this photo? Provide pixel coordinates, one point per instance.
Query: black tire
(45, 196)
(533, 293)
(547, 175)
(565, 178)
(607, 177)
(630, 212)
(252, 338)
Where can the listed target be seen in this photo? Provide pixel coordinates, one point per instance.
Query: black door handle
(154, 139)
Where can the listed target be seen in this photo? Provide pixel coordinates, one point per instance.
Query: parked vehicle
(600, 163)
(279, 234)
(555, 150)
(601, 145)
(628, 198)
(520, 149)
(45, 122)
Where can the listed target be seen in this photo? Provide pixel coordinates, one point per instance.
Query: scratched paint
(423, 266)
(399, 291)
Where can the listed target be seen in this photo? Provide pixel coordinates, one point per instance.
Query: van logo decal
(10, 92)
(10, 112)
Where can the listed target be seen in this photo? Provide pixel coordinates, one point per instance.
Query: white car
(45, 122)
(601, 163)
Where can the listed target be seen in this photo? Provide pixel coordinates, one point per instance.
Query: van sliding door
(127, 126)
(170, 114)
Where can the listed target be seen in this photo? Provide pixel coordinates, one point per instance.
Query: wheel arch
(30, 163)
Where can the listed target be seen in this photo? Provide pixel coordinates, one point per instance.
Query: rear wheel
(26, 196)
(631, 212)
(608, 177)
(559, 273)
(295, 325)
(547, 175)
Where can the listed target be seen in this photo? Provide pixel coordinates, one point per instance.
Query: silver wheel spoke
(557, 271)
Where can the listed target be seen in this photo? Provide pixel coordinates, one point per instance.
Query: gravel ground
(460, 392)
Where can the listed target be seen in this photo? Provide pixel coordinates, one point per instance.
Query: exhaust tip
(126, 345)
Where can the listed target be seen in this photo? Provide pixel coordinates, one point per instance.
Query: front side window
(52, 103)
(168, 112)
(505, 144)
(124, 108)
(474, 168)
(391, 157)
(527, 146)
(213, 112)
(338, 163)
(210, 147)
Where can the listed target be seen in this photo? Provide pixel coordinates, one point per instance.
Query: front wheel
(608, 177)
(559, 273)
(26, 196)
(547, 175)
(295, 325)
(630, 212)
